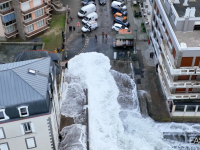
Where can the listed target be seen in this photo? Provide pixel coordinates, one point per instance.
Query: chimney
(187, 12)
(192, 12)
(185, 3)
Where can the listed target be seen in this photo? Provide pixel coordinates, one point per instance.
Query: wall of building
(2, 35)
(15, 138)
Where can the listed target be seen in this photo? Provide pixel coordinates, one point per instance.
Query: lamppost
(134, 48)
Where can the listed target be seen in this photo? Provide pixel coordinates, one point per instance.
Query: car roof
(117, 24)
(119, 18)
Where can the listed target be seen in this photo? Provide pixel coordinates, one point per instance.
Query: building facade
(175, 40)
(29, 105)
(25, 18)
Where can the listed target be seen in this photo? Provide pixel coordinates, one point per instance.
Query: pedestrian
(128, 53)
(58, 50)
(103, 35)
(151, 55)
(70, 28)
(55, 50)
(157, 68)
(68, 11)
(71, 18)
(83, 36)
(95, 37)
(106, 37)
(74, 28)
(90, 29)
(60, 136)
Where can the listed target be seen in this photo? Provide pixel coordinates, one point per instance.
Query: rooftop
(180, 9)
(19, 86)
(190, 38)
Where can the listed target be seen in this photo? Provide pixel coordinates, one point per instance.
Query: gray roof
(18, 86)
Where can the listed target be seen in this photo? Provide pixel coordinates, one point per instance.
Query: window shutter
(25, 6)
(1, 134)
(22, 129)
(36, 2)
(32, 127)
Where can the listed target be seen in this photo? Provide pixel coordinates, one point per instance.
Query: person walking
(74, 28)
(68, 11)
(95, 37)
(156, 68)
(58, 50)
(103, 35)
(106, 37)
(83, 36)
(71, 28)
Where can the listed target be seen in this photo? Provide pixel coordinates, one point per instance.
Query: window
(186, 61)
(40, 23)
(191, 108)
(27, 17)
(29, 28)
(4, 7)
(36, 2)
(180, 90)
(23, 111)
(2, 115)
(179, 107)
(30, 142)
(25, 6)
(27, 127)
(197, 61)
(38, 13)
(9, 29)
(2, 135)
(4, 146)
(185, 77)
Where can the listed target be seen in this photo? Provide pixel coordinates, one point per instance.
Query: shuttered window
(30, 142)
(186, 61)
(40, 23)
(27, 127)
(25, 6)
(186, 77)
(193, 77)
(38, 13)
(180, 90)
(36, 2)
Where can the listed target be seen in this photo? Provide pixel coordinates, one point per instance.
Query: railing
(9, 35)
(3, 1)
(174, 96)
(7, 11)
(37, 31)
(36, 19)
(34, 8)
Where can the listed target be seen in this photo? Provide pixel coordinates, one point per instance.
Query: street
(75, 44)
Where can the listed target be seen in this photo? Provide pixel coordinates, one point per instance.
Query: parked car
(120, 15)
(86, 10)
(118, 5)
(87, 2)
(102, 2)
(90, 17)
(89, 26)
(115, 10)
(118, 26)
(121, 21)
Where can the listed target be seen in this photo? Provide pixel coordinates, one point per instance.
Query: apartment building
(29, 105)
(24, 18)
(175, 40)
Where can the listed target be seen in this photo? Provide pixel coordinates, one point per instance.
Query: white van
(90, 17)
(86, 10)
(118, 5)
(90, 26)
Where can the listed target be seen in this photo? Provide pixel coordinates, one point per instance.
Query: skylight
(32, 71)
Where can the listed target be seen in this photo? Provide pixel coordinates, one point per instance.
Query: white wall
(16, 140)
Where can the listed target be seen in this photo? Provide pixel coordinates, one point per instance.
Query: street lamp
(134, 48)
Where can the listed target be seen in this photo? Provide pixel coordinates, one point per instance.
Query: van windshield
(86, 26)
(122, 5)
(80, 11)
(86, 18)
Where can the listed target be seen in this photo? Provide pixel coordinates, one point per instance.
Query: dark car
(87, 2)
(102, 2)
(121, 21)
(114, 10)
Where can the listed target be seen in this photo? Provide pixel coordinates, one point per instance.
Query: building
(175, 40)
(23, 17)
(29, 105)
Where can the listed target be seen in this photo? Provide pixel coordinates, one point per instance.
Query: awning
(8, 18)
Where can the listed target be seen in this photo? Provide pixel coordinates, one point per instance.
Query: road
(75, 44)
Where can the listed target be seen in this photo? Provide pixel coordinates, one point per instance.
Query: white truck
(90, 17)
(89, 26)
(86, 10)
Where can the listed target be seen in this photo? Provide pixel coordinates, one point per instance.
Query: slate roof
(18, 86)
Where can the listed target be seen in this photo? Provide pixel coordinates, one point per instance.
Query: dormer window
(23, 111)
(3, 115)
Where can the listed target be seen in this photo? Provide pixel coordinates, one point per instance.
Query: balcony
(34, 8)
(177, 95)
(37, 19)
(34, 32)
(9, 35)
(7, 11)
